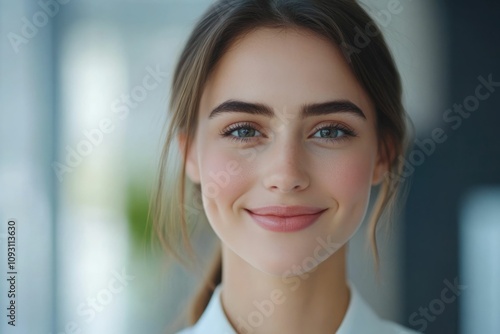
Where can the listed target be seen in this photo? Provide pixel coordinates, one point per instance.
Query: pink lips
(285, 218)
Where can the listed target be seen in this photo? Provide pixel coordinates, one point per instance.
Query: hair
(339, 21)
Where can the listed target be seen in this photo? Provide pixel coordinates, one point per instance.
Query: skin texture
(285, 162)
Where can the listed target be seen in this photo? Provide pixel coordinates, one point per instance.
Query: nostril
(288, 185)
(285, 174)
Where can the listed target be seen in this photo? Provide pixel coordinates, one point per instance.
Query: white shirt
(359, 319)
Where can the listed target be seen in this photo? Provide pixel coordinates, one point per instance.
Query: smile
(285, 219)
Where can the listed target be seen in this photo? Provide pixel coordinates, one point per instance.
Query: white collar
(359, 318)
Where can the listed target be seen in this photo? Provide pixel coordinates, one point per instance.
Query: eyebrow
(307, 110)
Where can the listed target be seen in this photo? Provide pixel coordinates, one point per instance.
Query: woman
(284, 125)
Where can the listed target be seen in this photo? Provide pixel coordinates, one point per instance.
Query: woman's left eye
(334, 132)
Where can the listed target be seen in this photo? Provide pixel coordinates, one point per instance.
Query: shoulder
(213, 319)
(360, 318)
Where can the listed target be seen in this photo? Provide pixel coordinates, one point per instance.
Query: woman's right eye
(241, 132)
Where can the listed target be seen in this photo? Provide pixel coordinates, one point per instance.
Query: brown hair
(340, 21)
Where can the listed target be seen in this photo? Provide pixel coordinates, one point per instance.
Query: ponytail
(203, 295)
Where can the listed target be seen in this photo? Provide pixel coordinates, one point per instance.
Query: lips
(285, 218)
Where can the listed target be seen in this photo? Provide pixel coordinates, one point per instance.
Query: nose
(286, 170)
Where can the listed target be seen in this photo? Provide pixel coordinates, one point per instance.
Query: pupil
(245, 132)
(327, 133)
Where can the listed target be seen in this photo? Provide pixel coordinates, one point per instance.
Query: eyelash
(226, 133)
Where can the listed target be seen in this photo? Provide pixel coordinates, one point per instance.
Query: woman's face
(300, 131)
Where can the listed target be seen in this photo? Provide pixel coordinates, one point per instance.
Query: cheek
(353, 176)
(224, 178)
(347, 174)
(348, 181)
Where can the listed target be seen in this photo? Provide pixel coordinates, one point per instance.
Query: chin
(285, 261)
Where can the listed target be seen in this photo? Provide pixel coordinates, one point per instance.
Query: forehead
(284, 68)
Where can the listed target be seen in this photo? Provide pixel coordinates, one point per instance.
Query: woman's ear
(379, 171)
(191, 157)
(384, 154)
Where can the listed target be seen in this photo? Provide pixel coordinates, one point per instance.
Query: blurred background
(84, 88)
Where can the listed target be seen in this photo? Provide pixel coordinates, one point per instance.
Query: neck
(258, 303)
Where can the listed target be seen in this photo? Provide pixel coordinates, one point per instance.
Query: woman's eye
(329, 133)
(334, 132)
(241, 132)
(244, 132)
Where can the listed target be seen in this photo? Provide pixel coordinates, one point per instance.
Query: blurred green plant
(137, 206)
